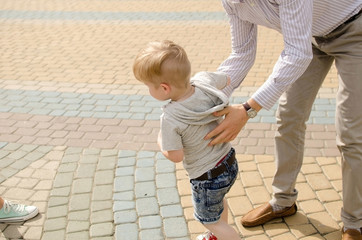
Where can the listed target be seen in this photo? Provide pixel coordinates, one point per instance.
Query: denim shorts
(208, 195)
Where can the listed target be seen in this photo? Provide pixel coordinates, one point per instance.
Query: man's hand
(229, 128)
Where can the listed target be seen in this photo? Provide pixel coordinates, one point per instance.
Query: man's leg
(293, 112)
(348, 51)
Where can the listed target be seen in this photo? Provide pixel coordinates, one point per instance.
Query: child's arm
(174, 155)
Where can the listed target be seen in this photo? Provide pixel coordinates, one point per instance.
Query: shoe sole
(20, 219)
(267, 218)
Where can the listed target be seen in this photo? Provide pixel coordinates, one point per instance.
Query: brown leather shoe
(351, 234)
(264, 213)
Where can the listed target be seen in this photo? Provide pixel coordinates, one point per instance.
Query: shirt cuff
(268, 94)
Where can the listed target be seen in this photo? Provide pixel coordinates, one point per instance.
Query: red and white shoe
(206, 236)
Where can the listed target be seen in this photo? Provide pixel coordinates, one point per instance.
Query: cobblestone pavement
(78, 132)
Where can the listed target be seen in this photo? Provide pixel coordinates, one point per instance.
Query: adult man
(315, 33)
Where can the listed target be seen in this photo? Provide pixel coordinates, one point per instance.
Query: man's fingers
(224, 136)
(221, 112)
(214, 132)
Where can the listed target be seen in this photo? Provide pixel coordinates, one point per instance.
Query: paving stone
(77, 235)
(144, 174)
(57, 212)
(125, 171)
(101, 229)
(77, 226)
(155, 233)
(165, 180)
(104, 177)
(128, 216)
(54, 235)
(148, 222)
(82, 215)
(167, 196)
(83, 185)
(127, 231)
(323, 222)
(175, 227)
(55, 224)
(79, 202)
(102, 216)
(147, 206)
(171, 211)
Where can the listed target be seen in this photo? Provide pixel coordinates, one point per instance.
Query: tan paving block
(337, 185)
(250, 179)
(284, 236)
(264, 158)
(33, 233)
(248, 232)
(268, 184)
(318, 181)
(310, 168)
(303, 230)
(237, 189)
(195, 228)
(326, 160)
(18, 193)
(301, 178)
(239, 206)
(297, 219)
(334, 209)
(186, 201)
(267, 169)
(247, 166)
(28, 183)
(333, 236)
(183, 187)
(181, 174)
(40, 196)
(323, 222)
(11, 182)
(333, 172)
(328, 195)
(305, 192)
(275, 229)
(104, 144)
(189, 213)
(311, 206)
(258, 237)
(258, 195)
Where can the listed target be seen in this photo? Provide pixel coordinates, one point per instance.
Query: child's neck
(186, 93)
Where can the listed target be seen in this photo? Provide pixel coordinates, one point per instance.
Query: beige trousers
(344, 46)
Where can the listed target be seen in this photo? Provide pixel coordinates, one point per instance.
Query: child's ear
(165, 87)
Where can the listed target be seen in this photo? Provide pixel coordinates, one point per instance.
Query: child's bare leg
(222, 230)
(225, 213)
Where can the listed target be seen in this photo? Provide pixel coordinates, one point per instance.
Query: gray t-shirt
(184, 124)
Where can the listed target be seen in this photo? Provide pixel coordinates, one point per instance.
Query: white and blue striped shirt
(297, 21)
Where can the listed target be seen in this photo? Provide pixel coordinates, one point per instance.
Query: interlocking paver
(78, 132)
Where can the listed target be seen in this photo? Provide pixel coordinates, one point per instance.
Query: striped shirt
(297, 20)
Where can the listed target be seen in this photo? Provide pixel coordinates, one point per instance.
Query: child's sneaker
(206, 236)
(13, 212)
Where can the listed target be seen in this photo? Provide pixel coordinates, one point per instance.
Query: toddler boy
(165, 69)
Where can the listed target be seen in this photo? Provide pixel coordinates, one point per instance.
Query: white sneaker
(206, 236)
(13, 212)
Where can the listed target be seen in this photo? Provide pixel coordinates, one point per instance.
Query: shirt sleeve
(171, 139)
(296, 25)
(243, 50)
(218, 80)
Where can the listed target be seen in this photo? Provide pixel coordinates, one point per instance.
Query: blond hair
(163, 62)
